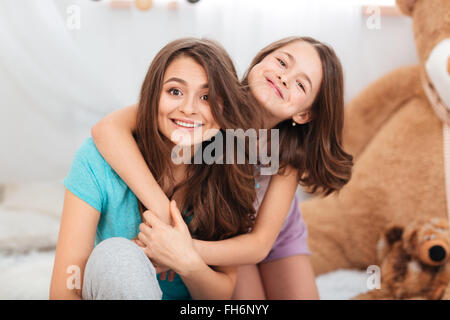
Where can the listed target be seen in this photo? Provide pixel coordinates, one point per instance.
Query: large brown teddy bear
(396, 130)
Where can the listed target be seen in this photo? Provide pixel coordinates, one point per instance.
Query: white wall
(55, 83)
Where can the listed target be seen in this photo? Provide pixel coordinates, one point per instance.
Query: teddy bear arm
(366, 113)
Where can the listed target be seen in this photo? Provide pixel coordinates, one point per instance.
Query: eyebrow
(292, 59)
(183, 82)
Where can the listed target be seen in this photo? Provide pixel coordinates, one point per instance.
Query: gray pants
(118, 269)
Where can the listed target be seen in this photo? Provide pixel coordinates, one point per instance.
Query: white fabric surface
(25, 230)
(26, 276)
(43, 197)
(30, 215)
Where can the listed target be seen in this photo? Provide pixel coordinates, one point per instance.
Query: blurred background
(64, 64)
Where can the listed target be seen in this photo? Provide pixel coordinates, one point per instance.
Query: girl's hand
(159, 269)
(167, 245)
(163, 270)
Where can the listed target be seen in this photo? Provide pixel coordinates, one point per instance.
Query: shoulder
(88, 151)
(88, 156)
(288, 176)
(88, 164)
(89, 161)
(87, 175)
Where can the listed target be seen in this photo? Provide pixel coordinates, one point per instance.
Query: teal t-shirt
(93, 180)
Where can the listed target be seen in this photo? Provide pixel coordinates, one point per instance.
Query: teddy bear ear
(393, 234)
(406, 6)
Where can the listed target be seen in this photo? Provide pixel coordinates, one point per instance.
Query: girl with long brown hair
(297, 84)
(190, 94)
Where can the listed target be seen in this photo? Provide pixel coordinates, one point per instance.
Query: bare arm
(75, 243)
(113, 137)
(253, 247)
(213, 284)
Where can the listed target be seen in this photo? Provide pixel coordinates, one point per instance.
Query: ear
(393, 234)
(406, 6)
(302, 117)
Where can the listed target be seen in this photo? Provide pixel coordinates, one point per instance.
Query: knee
(114, 255)
(116, 246)
(118, 268)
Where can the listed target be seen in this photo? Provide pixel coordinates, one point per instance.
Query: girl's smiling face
(287, 81)
(184, 113)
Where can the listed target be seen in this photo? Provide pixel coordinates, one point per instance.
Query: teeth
(187, 125)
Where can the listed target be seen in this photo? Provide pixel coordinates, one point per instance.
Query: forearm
(71, 296)
(130, 165)
(247, 248)
(205, 283)
(254, 246)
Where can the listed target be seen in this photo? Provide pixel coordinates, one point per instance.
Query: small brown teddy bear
(413, 261)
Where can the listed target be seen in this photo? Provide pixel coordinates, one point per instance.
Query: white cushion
(42, 197)
(26, 276)
(342, 284)
(25, 230)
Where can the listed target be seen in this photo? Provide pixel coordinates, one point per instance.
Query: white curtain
(56, 82)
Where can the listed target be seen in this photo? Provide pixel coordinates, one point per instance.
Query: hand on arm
(113, 137)
(172, 246)
(253, 247)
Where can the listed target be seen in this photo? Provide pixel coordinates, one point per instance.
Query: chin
(263, 98)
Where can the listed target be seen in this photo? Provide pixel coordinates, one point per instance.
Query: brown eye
(204, 97)
(301, 86)
(282, 63)
(174, 92)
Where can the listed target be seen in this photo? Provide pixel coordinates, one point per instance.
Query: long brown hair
(221, 195)
(315, 148)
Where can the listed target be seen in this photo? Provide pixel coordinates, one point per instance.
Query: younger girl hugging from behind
(297, 85)
(189, 80)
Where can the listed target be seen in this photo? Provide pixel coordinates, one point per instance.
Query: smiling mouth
(186, 124)
(275, 87)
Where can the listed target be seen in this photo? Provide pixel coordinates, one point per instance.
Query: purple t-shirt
(293, 237)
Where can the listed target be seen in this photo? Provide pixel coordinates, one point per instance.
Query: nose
(434, 252)
(283, 80)
(437, 253)
(188, 106)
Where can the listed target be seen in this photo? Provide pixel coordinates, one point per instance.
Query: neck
(270, 122)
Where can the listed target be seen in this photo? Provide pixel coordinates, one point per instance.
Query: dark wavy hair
(221, 195)
(315, 148)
